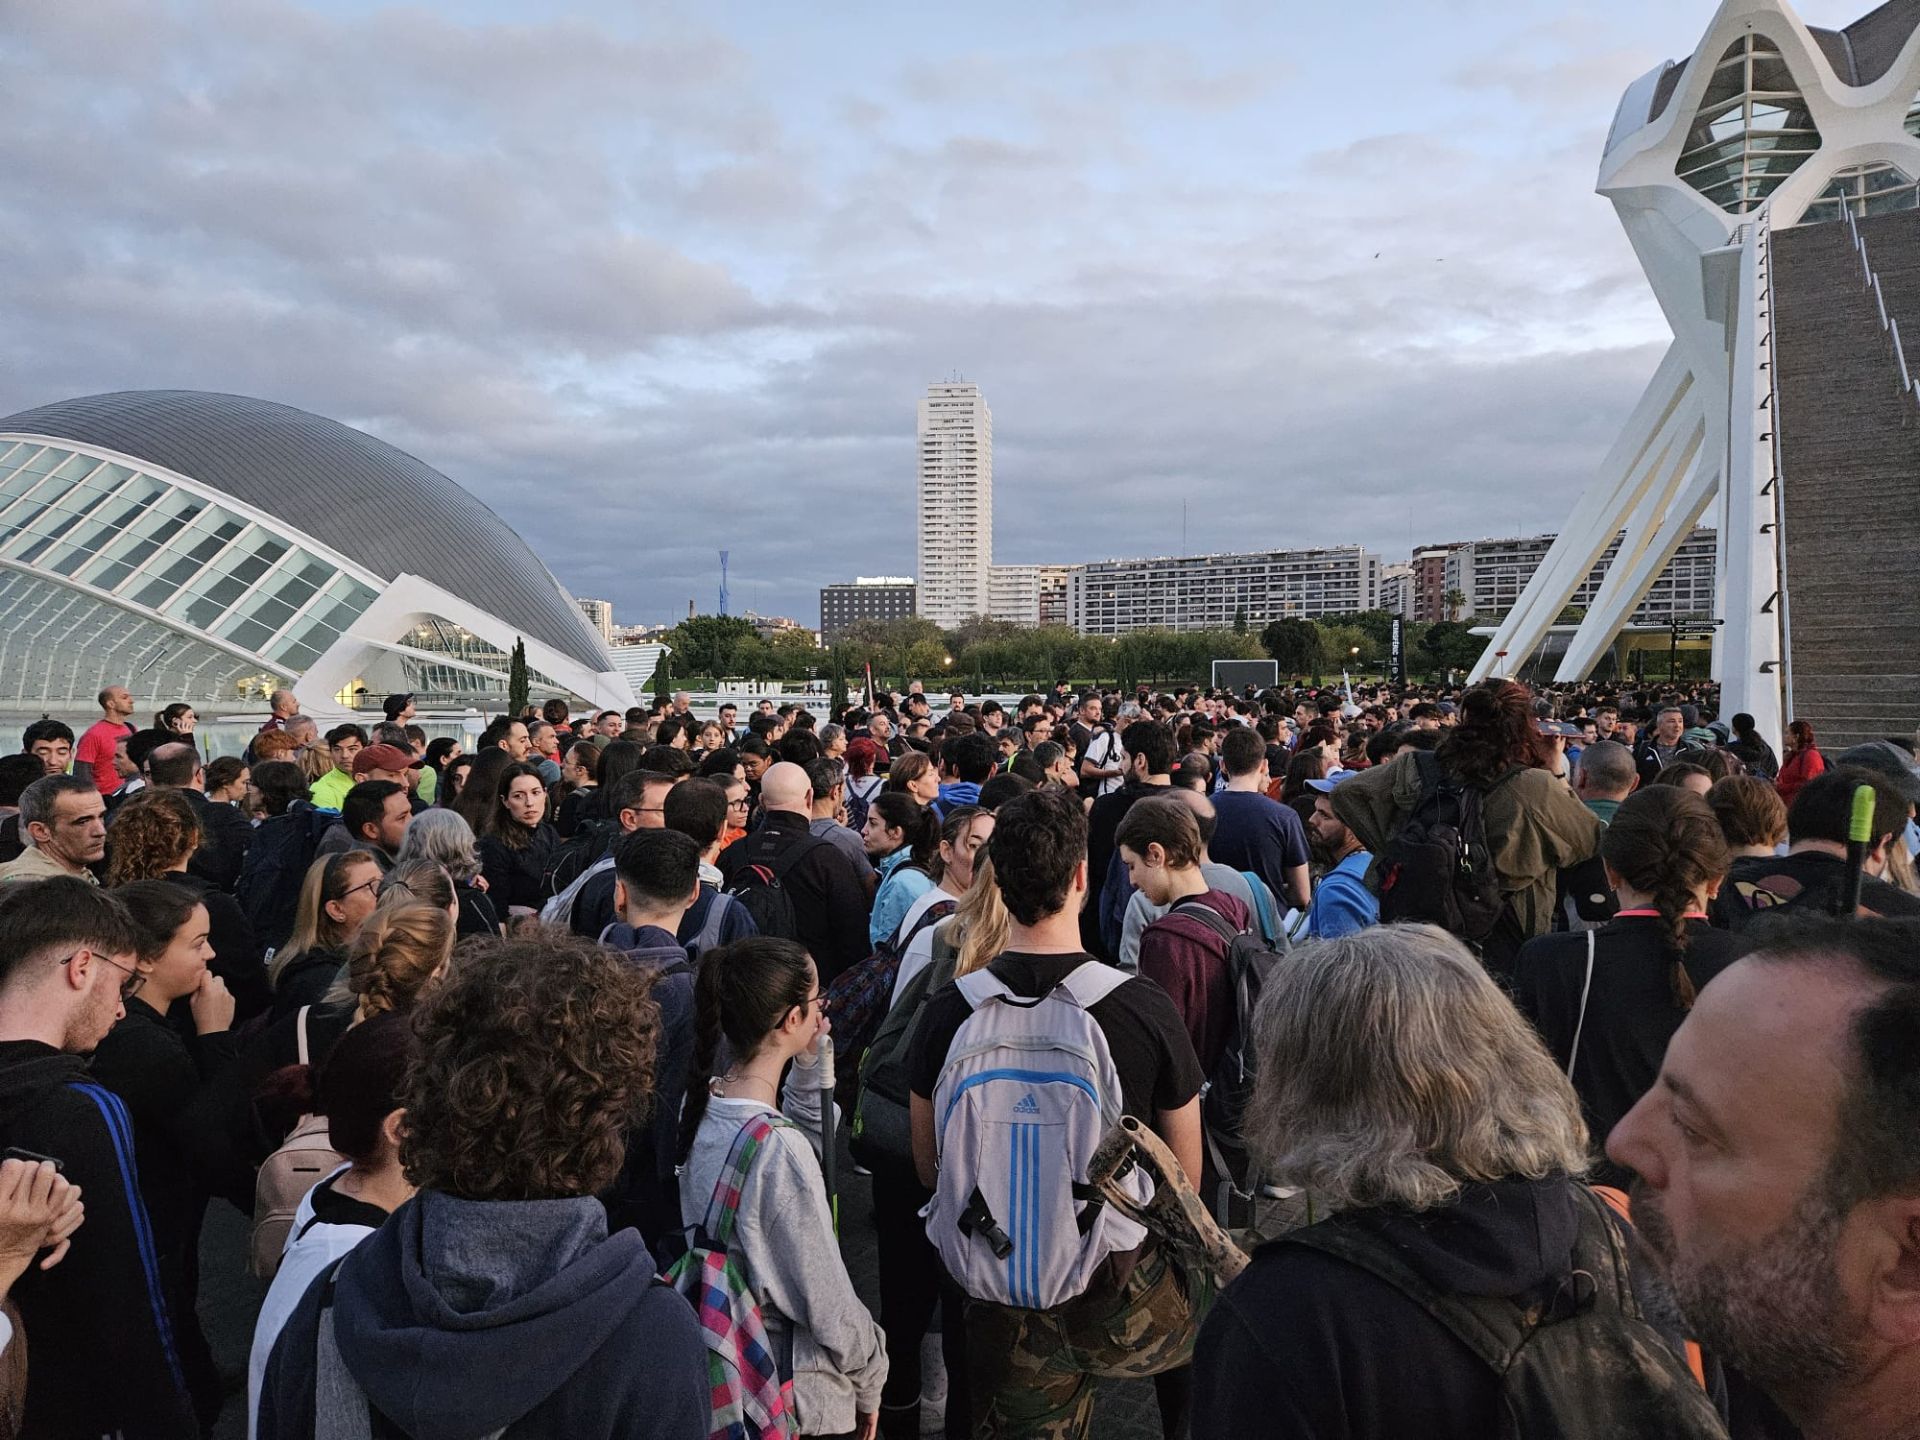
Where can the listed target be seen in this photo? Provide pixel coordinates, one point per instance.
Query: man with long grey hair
(1463, 1278)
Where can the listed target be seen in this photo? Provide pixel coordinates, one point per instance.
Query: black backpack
(1223, 1106)
(590, 840)
(759, 887)
(1438, 867)
(1584, 1364)
(276, 866)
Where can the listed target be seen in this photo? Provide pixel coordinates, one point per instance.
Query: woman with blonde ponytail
(1607, 1001)
(401, 950)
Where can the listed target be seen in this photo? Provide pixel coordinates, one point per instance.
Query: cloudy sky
(656, 280)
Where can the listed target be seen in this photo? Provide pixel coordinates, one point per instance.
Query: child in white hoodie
(762, 997)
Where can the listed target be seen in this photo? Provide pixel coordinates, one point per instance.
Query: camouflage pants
(1032, 1371)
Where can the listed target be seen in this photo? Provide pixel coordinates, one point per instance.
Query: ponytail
(917, 824)
(1666, 842)
(741, 992)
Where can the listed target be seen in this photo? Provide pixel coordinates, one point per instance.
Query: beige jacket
(35, 865)
(1535, 824)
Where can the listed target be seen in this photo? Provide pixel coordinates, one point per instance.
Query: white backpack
(1027, 1093)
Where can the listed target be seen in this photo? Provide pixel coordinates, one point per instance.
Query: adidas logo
(1026, 1105)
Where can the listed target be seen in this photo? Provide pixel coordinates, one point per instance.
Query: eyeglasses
(811, 1001)
(129, 987)
(373, 884)
(739, 804)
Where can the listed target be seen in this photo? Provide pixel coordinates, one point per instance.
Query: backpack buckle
(977, 1219)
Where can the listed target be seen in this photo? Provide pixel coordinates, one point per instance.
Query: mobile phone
(14, 1153)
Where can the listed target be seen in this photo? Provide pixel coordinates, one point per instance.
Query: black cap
(394, 704)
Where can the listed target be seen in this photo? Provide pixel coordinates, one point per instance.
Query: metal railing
(1889, 326)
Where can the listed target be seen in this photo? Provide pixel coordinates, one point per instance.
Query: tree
(1294, 644)
(1455, 600)
(1239, 619)
(1449, 645)
(711, 645)
(663, 676)
(517, 684)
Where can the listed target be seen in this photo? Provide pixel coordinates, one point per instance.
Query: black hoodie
(461, 1317)
(1303, 1344)
(102, 1353)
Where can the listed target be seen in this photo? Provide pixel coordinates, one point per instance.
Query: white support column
(1628, 581)
(1666, 409)
(1753, 648)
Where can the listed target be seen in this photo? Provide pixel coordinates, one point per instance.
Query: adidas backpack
(749, 1398)
(1438, 867)
(1026, 1094)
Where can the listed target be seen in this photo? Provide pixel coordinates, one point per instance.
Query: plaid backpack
(860, 996)
(749, 1398)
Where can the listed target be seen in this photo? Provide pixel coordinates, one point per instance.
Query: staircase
(1850, 478)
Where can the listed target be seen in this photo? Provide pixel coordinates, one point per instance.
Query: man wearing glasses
(63, 820)
(66, 957)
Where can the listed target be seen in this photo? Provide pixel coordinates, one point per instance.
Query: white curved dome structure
(1770, 124)
(212, 547)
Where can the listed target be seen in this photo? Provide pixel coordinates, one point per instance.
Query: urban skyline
(652, 259)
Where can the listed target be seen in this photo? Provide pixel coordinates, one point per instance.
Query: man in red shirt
(95, 752)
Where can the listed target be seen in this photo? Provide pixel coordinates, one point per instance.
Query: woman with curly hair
(762, 997)
(154, 835)
(531, 1063)
(1535, 824)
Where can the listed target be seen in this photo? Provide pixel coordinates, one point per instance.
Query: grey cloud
(597, 280)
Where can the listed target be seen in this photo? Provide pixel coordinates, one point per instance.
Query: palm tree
(1454, 600)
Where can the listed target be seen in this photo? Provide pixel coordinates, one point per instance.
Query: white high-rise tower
(956, 503)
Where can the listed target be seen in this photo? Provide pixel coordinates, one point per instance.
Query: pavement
(230, 1300)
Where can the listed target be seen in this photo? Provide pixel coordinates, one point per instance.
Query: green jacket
(1535, 824)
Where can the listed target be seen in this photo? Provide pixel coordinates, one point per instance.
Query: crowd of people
(1555, 1056)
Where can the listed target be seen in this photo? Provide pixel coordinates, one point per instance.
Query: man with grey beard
(1779, 1164)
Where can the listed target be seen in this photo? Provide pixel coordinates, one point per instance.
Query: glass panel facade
(1752, 131)
(138, 537)
(1878, 189)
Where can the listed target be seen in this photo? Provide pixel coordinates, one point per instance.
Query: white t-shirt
(920, 949)
(310, 1250)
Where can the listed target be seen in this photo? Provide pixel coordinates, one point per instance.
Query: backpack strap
(981, 986)
(932, 915)
(724, 1208)
(1262, 907)
(780, 863)
(300, 1034)
(1199, 910)
(1093, 982)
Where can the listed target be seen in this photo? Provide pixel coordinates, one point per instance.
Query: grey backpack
(1027, 1093)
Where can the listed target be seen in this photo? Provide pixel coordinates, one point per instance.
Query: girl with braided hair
(761, 997)
(400, 951)
(1608, 1001)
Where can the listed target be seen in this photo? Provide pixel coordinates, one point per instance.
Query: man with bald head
(823, 884)
(1778, 1156)
(225, 834)
(1245, 886)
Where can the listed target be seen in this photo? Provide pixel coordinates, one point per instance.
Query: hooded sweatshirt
(99, 1312)
(1304, 1343)
(461, 1317)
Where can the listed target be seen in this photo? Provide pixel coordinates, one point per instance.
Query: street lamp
(947, 661)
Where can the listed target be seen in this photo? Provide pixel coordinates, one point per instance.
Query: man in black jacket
(104, 1361)
(829, 895)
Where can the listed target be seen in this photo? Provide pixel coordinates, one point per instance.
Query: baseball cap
(394, 704)
(1334, 778)
(1560, 728)
(1888, 760)
(382, 757)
